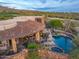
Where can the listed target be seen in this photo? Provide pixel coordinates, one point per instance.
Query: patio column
(14, 46)
(37, 36)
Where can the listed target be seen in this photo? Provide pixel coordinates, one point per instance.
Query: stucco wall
(3, 45)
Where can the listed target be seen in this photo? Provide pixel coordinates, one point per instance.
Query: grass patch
(7, 15)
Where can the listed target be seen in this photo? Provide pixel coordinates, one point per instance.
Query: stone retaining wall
(21, 55)
(52, 55)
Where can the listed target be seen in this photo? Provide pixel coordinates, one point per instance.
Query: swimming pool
(63, 42)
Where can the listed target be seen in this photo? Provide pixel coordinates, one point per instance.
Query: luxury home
(13, 31)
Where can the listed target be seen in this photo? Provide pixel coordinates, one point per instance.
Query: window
(0, 42)
(38, 19)
(10, 43)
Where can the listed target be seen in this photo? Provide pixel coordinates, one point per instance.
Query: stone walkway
(45, 54)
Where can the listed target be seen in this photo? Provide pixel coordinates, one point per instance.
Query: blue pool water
(57, 49)
(63, 42)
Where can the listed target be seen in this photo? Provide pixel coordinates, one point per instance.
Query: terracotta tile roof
(21, 30)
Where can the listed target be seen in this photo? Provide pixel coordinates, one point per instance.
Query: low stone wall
(52, 55)
(21, 55)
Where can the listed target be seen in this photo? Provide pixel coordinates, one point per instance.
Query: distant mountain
(6, 13)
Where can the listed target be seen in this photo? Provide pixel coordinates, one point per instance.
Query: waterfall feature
(50, 40)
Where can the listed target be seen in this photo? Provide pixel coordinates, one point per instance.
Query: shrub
(32, 46)
(55, 23)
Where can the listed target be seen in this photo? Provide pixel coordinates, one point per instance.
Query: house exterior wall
(3, 45)
(22, 54)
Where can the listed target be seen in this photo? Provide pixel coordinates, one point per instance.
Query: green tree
(55, 23)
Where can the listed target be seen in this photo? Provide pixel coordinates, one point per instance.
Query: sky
(43, 5)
